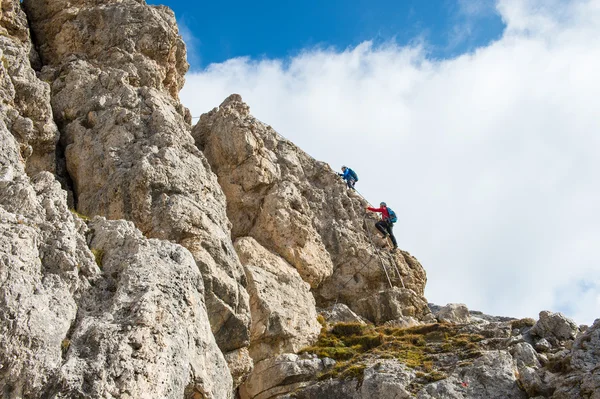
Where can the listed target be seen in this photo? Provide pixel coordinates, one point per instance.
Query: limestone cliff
(141, 258)
(297, 208)
(115, 69)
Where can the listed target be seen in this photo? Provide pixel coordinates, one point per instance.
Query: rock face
(284, 318)
(387, 379)
(25, 98)
(491, 376)
(44, 267)
(44, 261)
(128, 147)
(297, 208)
(278, 376)
(583, 378)
(142, 330)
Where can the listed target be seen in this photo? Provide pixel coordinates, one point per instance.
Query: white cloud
(490, 158)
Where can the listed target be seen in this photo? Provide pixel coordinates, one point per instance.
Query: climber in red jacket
(385, 225)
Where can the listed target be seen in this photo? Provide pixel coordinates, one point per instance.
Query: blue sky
(280, 29)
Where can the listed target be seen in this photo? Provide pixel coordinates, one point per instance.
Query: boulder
(340, 313)
(392, 304)
(456, 313)
(525, 355)
(492, 376)
(280, 375)
(554, 325)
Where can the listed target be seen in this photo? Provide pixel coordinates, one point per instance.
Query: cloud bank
(490, 158)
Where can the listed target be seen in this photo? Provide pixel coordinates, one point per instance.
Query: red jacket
(384, 212)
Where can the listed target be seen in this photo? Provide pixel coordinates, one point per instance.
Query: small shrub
(428, 366)
(64, 346)
(321, 320)
(348, 329)
(366, 342)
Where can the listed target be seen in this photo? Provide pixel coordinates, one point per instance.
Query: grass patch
(425, 349)
(98, 256)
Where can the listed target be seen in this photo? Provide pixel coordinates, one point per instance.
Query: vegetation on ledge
(432, 350)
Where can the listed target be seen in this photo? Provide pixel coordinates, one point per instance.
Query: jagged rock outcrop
(142, 331)
(25, 100)
(582, 379)
(284, 317)
(555, 326)
(115, 69)
(44, 266)
(297, 208)
(44, 261)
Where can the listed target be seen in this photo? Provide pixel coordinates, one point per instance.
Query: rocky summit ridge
(143, 257)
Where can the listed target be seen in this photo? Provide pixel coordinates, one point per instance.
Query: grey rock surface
(142, 330)
(45, 265)
(128, 146)
(392, 304)
(491, 376)
(582, 379)
(555, 325)
(387, 379)
(457, 313)
(280, 375)
(25, 99)
(340, 313)
(284, 318)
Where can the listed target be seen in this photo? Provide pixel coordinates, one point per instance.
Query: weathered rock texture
(142, 330)
(284, 318)
(44, 266)
(44, 262)
(297, 208)
(25, 98)
(115, 69)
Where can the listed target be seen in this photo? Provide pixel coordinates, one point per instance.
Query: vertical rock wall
(115, 69)
(25, 99)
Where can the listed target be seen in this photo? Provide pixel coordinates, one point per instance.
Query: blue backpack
(354, 175)
(393, 218)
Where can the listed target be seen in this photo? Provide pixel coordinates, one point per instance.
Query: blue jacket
(348, 174)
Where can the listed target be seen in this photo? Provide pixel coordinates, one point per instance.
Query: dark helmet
(382, 204)
(344, 167)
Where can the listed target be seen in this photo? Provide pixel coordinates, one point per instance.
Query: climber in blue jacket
(349, 176)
